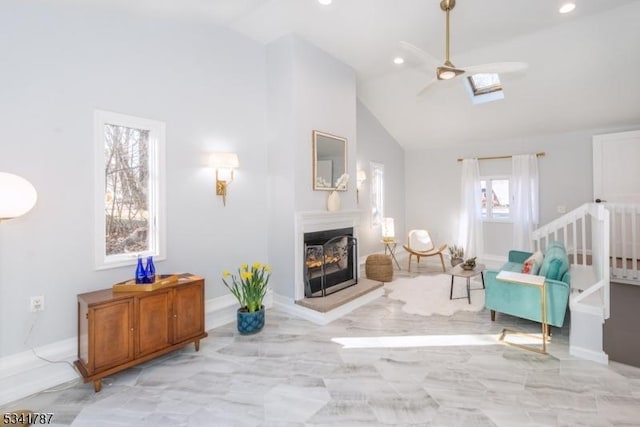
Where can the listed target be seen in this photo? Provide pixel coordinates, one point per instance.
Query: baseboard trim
(23, 374)
(595, 356)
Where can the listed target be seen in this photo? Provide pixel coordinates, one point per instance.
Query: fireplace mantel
(308, 222)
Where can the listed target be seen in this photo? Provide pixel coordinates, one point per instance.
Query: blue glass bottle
(150, 271)
(140, 272)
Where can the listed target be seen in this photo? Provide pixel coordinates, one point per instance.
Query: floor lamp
(17, 197)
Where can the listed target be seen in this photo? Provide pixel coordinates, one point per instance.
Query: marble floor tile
(449, 371)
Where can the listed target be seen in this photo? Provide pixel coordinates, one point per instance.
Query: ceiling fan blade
(427, 87)
(497, 67)
(418, 53)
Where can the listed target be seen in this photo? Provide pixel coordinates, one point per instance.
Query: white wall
(59, 64)
(307, 90)
(433, 182)
(376, 145)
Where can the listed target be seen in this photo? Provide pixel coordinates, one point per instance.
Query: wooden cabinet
(117, 330)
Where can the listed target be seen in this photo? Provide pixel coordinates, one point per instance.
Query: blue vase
(150, 271)
(140, 272)
(250, 323)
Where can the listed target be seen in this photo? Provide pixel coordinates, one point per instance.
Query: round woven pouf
(378, 267)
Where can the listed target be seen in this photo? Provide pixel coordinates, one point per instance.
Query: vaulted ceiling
(583, 66)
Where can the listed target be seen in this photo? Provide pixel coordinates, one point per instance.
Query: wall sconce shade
(361, 176)
(17, 196)
(219, 159)
(388, 229)
(224, 164)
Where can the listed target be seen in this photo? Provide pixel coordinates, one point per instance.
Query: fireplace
(330, 261)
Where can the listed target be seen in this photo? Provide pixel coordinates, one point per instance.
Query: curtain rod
(541, 154)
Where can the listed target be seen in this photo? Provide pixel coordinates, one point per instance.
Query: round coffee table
(458, 271)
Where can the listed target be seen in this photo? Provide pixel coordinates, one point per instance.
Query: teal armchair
(524, 301)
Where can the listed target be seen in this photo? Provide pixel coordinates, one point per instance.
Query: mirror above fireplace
(329, 160)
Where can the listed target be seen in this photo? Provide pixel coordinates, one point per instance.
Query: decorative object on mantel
(249, 288)
(457, 255)
(329, 159)
(469, 264)
(333, 201)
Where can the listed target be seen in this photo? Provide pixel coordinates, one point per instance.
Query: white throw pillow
(533, 263)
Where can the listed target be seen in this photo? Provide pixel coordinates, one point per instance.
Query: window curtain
(525, 207)
(470, 223)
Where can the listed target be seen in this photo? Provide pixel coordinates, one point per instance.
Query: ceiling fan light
(567, 7)
(448, 71)
(446, 75)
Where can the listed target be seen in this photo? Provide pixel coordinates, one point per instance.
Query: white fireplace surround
(308, 222)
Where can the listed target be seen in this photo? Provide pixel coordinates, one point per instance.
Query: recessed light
(325, 2)
(398, 60)
(567, 7)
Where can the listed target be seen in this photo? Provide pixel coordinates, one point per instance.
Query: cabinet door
(188, 311)
(152, 313)
(111, 335)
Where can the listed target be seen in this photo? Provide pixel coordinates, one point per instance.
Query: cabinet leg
(196, 344)
(493, 315)
(97, 385)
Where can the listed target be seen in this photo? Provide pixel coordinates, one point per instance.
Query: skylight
(484, 83)
(484, 87)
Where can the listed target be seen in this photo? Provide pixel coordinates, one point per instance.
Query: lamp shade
(223, 160)
(388, 229)
(17, 196)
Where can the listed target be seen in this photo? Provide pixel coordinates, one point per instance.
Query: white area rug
(427, 295)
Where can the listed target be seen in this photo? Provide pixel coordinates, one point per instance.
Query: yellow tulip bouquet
(249, 286)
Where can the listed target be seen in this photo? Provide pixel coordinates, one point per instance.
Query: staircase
(585, 233)
(625, 242)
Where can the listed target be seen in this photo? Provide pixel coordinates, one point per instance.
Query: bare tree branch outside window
(126, 189)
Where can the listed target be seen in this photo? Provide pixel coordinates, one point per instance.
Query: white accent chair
(419, 243)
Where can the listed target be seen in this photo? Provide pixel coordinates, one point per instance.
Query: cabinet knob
(175, 315)
(131, 329)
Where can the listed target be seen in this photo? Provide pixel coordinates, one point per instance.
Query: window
(495, 198)
(129, 189)
(377, 194)
(484, 87)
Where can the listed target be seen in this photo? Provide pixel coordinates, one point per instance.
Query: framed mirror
(329, 160)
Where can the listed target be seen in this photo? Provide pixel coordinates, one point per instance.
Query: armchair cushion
(555, 263)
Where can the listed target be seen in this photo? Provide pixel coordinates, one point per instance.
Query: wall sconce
(361, 176)
(388, 230)
(17, 196)
(224, 164)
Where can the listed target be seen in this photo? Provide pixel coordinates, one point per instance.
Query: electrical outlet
(37, 303)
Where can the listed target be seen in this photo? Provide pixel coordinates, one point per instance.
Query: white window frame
(157, 184)
(489, 217)
(483, 94)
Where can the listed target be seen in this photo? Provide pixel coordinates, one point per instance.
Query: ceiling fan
(448, 71)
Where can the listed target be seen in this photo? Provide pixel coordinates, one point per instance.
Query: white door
(616, 181)
(616, 167)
